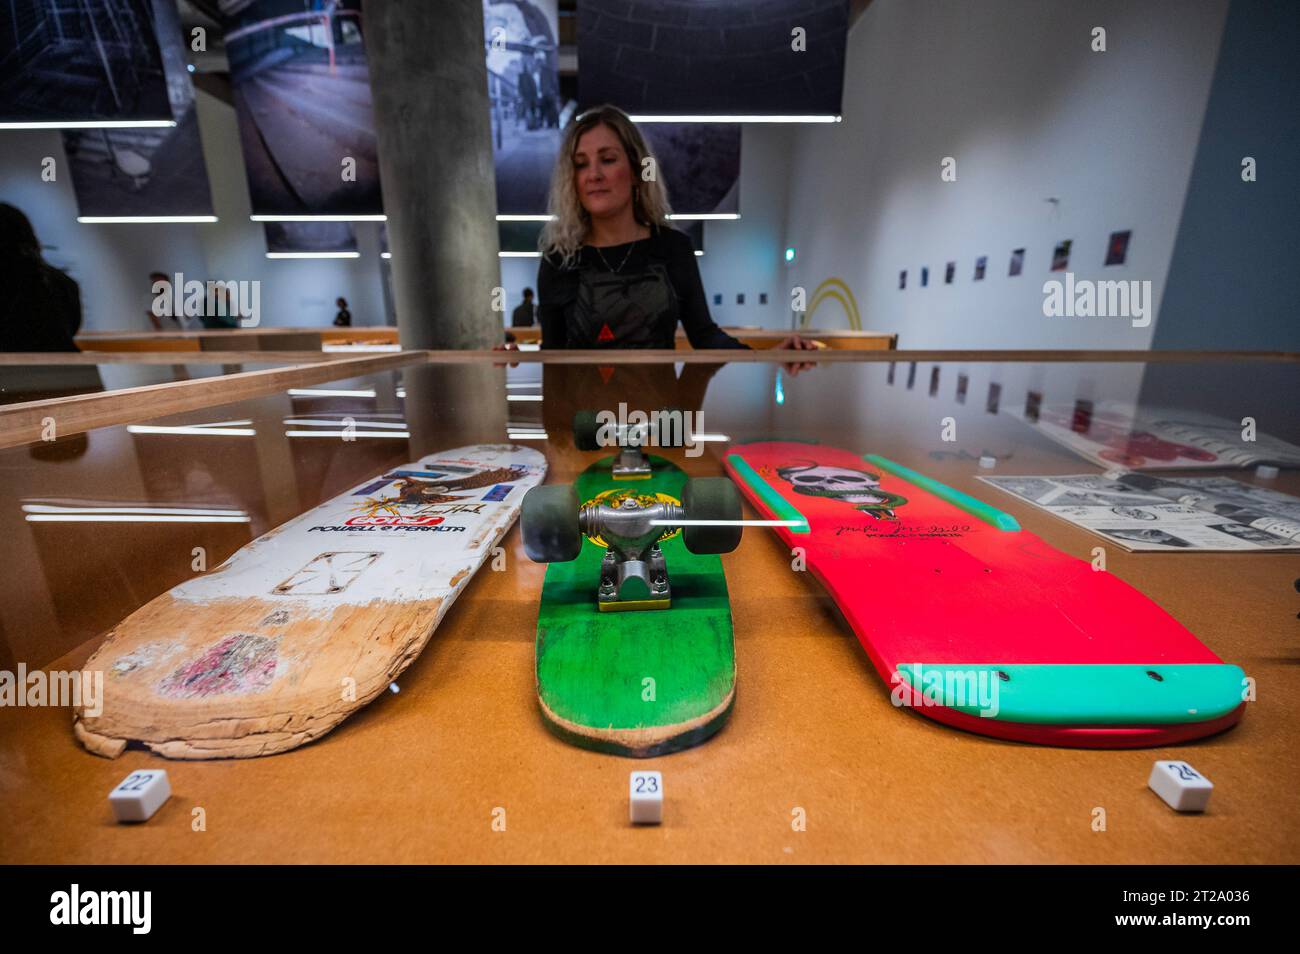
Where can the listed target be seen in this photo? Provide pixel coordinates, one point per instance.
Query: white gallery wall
(1012, 90)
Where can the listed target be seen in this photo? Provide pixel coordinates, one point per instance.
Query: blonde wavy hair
(565, 233)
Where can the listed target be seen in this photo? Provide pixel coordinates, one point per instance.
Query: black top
(40, 308)
(627, 296)
(523, 316)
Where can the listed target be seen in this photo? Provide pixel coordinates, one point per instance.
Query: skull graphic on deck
(858, 487)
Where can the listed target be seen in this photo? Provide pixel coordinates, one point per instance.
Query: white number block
(1181, 786)
(646, 794)
(140, 795)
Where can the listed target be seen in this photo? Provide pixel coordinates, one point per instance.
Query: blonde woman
(614, 272)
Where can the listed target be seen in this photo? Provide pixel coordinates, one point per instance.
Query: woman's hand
(508, 346)
(795, 343)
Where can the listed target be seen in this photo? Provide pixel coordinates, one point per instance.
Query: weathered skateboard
(635, 654)
(308, 623)
(978, 623)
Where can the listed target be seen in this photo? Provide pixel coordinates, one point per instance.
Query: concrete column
(428, 76)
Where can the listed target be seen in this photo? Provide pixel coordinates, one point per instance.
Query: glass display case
(102, 521)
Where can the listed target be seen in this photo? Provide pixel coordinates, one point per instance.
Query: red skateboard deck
(979, 624)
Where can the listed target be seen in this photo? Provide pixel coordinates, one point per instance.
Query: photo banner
(302, 98)
(289, 237)
(521, 37)
(88, 61)
(699, 164)
(720, 57)
(146, 172)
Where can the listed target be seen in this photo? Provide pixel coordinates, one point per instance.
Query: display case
(813, 760)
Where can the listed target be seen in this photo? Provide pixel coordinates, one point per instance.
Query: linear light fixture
(348, 434)
(519, 254)
(91, 124)
(521, 217)
(141, 219)
(191, 430)
(313, 254)
(703, 216)
(330, 392)
(319, 218)
(662, 118)
(311, 422)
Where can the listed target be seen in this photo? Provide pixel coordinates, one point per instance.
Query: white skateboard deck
(308, 623)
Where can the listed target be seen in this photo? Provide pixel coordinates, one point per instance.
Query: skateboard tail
(643, 742)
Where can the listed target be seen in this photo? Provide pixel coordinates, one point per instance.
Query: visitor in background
(526, 313)
(160, 322)
(344, 318)
(221, 311)
(40, 306)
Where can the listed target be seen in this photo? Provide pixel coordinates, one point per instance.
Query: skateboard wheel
(585, 430)
(711, 498)
(549, 522)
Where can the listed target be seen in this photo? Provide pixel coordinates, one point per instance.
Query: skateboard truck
(631, 464)
(632, 439)
(633, 572)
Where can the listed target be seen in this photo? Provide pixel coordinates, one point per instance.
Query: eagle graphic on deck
(413, 492)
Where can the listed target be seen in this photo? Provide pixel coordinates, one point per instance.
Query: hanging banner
(302, 96)
(700, 165)
(723, 57)
(84, 62)
(285, 238)
(146, 173)
(524, 90)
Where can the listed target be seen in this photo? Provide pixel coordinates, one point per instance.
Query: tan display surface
(417, 775)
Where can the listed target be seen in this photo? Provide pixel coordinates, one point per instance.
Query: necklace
(631, 246)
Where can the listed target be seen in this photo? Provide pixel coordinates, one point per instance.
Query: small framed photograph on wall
(1117, 248)
(1061, 257)
(1017, 262)
(981, 264)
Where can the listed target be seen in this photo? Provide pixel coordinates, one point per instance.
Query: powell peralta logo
(861, 488)
(427, 498)
(380, 520)
(615, 498)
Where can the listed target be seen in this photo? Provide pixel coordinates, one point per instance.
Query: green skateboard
(635, 654)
